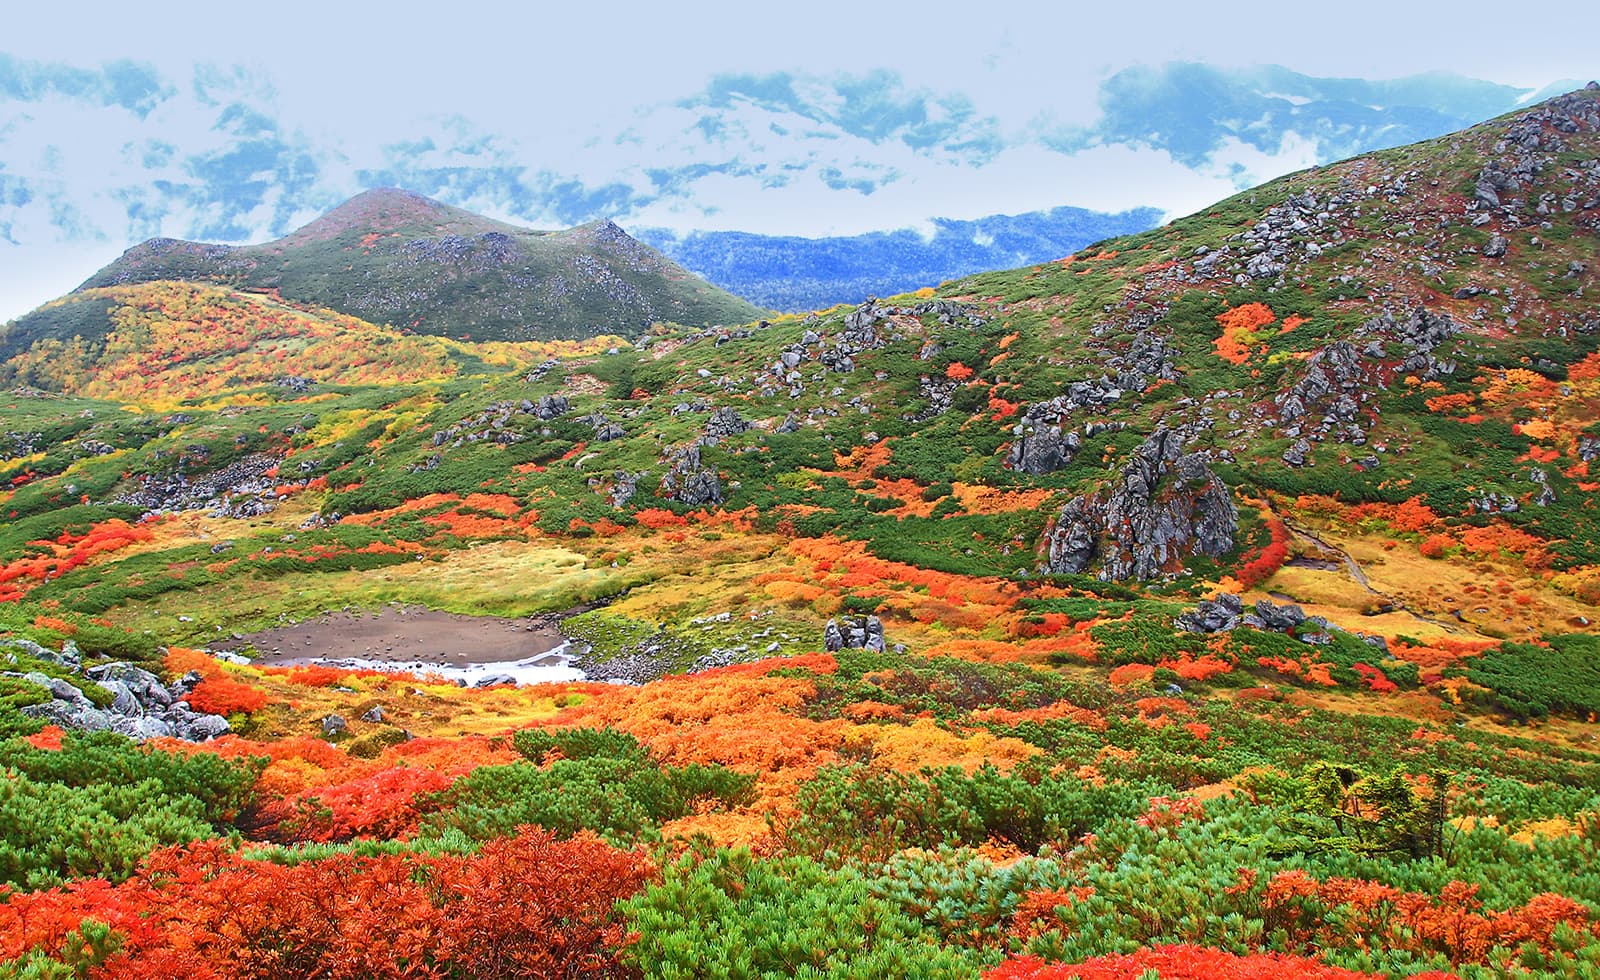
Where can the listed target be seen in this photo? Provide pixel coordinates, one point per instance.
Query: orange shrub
(1435, 545)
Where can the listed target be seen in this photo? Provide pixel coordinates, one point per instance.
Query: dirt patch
(406, 636)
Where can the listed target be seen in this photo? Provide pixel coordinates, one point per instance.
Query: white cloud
(539, 104)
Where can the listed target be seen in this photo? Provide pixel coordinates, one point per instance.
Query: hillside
(408, 262)
(1218, 600)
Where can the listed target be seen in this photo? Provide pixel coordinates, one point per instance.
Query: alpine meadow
(417, 594)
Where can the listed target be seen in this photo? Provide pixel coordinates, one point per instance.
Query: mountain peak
(384, 210)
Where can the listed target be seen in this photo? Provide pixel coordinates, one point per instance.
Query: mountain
(1247, 565)
(791, 273)
(403, 260)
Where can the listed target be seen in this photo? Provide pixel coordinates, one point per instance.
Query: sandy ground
(408, 637)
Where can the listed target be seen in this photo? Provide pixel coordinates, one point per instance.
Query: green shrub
(851, 812)
(51, 832)
(624, 799)
(219, 788)
(728, 915)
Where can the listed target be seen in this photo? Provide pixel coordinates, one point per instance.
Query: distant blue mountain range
(787, 273)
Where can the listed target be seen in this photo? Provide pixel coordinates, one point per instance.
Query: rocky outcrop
(624, 486)
(855, 634)
(690, 483)
(1040, 441)
(240, 489)
(1300, 228)
(724, 423)
(604, 429)
(1225, 612)
(1165, 505)
(1042, 449)
(1149, 359)
(550, 406)
(1332, 378)
(141, 705)
(1219, 614)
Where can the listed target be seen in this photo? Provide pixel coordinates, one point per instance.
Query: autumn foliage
(1238, 326)
(65, 553)
(524, 906)
(1176, 963)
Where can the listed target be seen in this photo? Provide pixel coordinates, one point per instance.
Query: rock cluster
(1225, 612)
(939, 392)
(141, 707)
(688, 482)
(1165, 505)
(1301, 227)
(724, 423)
(473, 255)
(855, 634)
(1420, 331)
(868, 327)
(492, 424)
(240, 489)
(1040, 443)
(1150, 358)
(605, 430)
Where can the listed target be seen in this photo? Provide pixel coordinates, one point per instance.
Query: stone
(333, 725)
(202, 728)
(725, 422)
(373, 714)
(552, 406)
(687, 482)
(1496, 246)
(146, 687)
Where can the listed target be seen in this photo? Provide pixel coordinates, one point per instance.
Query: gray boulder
(688, 482)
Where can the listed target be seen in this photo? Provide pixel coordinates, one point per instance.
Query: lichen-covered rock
(1041, 449)
(1165, 505)
(552, 406)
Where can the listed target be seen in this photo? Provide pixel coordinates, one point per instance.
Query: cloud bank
(94, 158)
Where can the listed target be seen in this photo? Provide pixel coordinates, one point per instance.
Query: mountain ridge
(398, 258)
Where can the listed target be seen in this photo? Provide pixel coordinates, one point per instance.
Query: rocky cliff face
(1165, 505)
